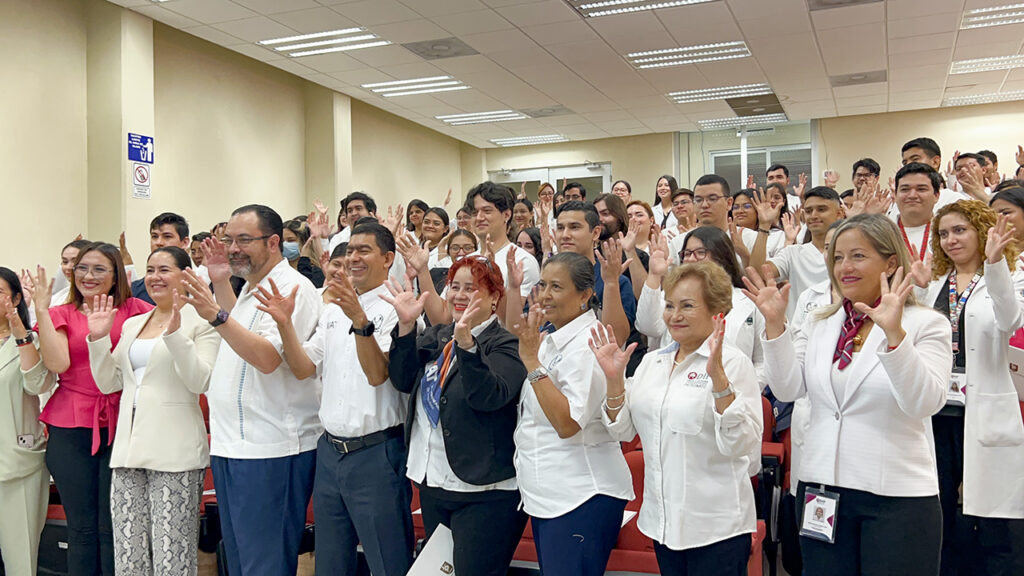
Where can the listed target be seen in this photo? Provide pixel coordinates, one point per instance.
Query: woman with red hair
(463, 381)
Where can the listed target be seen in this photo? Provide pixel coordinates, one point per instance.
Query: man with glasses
(865, 171)
(712, 202)
(263, 420)
(574, 191)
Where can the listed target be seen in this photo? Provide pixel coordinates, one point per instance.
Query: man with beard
(263, 420)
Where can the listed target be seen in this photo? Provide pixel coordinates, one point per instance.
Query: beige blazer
(166, 431)
(19, 416)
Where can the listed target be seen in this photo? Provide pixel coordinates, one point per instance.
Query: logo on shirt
(691, 376)
(332, 324)
(378, 320)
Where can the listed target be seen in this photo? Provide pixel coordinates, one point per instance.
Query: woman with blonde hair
(979, 435)
(875, 367)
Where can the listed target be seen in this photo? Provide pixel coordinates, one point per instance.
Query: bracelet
(767, 232)
(619, 407)
(619, 397)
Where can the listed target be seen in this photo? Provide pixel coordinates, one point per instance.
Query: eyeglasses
(678, 203)
(706, 199)
(744, 206)
(456, 248)
(242, 241)
(697, 253)
(96, 271)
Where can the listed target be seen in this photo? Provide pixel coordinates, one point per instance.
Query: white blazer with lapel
(166, 432)
(19, 415)
(993, 429)
(877, 437)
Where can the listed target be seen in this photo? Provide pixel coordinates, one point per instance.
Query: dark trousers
(262, 506)
(789, 534)
(724, 558)
(948, 431)
(83, 480)
(486, 527)
(996, 547)
(363, 497)
(579, 542)
(876, 536)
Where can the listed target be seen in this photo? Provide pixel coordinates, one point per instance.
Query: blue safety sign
(140, 148)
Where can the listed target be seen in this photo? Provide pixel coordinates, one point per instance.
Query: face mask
(290, 250)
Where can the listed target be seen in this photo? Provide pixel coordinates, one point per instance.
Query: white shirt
(531, 270)
(338, 238)
(659, 215)
(555, 474)
(351, 407)
(139, 353)
(776, 242)
(802, 265)
(696, 479)
(428, 459)
(256, 415)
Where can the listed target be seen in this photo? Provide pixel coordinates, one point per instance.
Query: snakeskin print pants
(156, 521)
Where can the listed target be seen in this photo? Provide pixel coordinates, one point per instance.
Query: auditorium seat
(769, 484)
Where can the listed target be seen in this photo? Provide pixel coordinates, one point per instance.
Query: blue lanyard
(956, 306)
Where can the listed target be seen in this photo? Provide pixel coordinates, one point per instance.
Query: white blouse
(555, 474)
(697, 487)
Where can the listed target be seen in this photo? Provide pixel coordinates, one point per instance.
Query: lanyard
(446, 361)
(956, 307)
(924, 239)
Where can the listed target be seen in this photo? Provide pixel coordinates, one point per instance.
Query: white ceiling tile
(874, 100)
(608, 116)
(161, 14)
(943, 41)
(333, 62)
(918, 105)
(996, 77)
(919, 83)
(376, 12)
(732, 72)
(536, 13)
(255, 29)
(501, 3)
(213, 35)
(561, 33)
(1015, 74)
(421, 69)
(840, 59)
(524, 56)
(922, 58)
(290, 65)
(275, 6)
(627, 24)
(432, 8)
(802, 96)
(676, 78)
(475, 22)
(130, 3)
(410, 31)
(314, 20)
(465, 64)
(647, 105)
(1013, 85)
(902, 9)
(566, 120)
(808, 110)
(919, 72)
(974, 36)
(857, 110)
(916, 95)
(873, 13)
(258, 52)
(759, 9)
(972, 89)
(498, 41)
(209, 11)
(699, 23)
(385, 56)
(924, 24)
(359, 76)
(656, 40)
(985, 50)
(857, 90)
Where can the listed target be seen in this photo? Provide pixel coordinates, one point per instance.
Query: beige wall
(43, 165)
(395, 160)
(229, 131)
(637, 159)
(842, 141)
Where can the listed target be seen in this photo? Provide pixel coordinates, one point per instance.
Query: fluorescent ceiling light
(325, 42)
(688, 55)
(742, 121)
(994, 16)
(528, 140)
(310, 36)
(987, 64)
(723, 93)
(593, 9)
(481, 117)
(416, 86)
(988, 98)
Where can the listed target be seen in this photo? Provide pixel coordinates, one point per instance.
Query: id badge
(956, 395)
(26, 440)
(819, 521)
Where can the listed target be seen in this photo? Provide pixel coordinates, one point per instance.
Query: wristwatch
(719, 395)
(365, 331)
(222, 317)
(537, 374)
(29, 337)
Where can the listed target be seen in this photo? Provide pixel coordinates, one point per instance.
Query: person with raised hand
(360, 492)
(464, 380)
(491, 205)
(875, 367)
(24, 479)
(80, 418)
(978, 434)
(263, 419)
(162, 364)
(571, 472)
(417, 260)
(705, 419)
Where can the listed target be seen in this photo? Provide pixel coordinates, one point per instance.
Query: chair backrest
(635, 461)
(768, 416)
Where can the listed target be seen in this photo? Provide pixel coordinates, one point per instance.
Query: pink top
(77, 402)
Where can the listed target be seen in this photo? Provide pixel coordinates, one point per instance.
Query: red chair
(769, 484)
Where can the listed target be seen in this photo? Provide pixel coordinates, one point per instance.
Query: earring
(583, 306)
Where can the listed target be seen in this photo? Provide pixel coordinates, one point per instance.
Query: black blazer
(479, 401)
